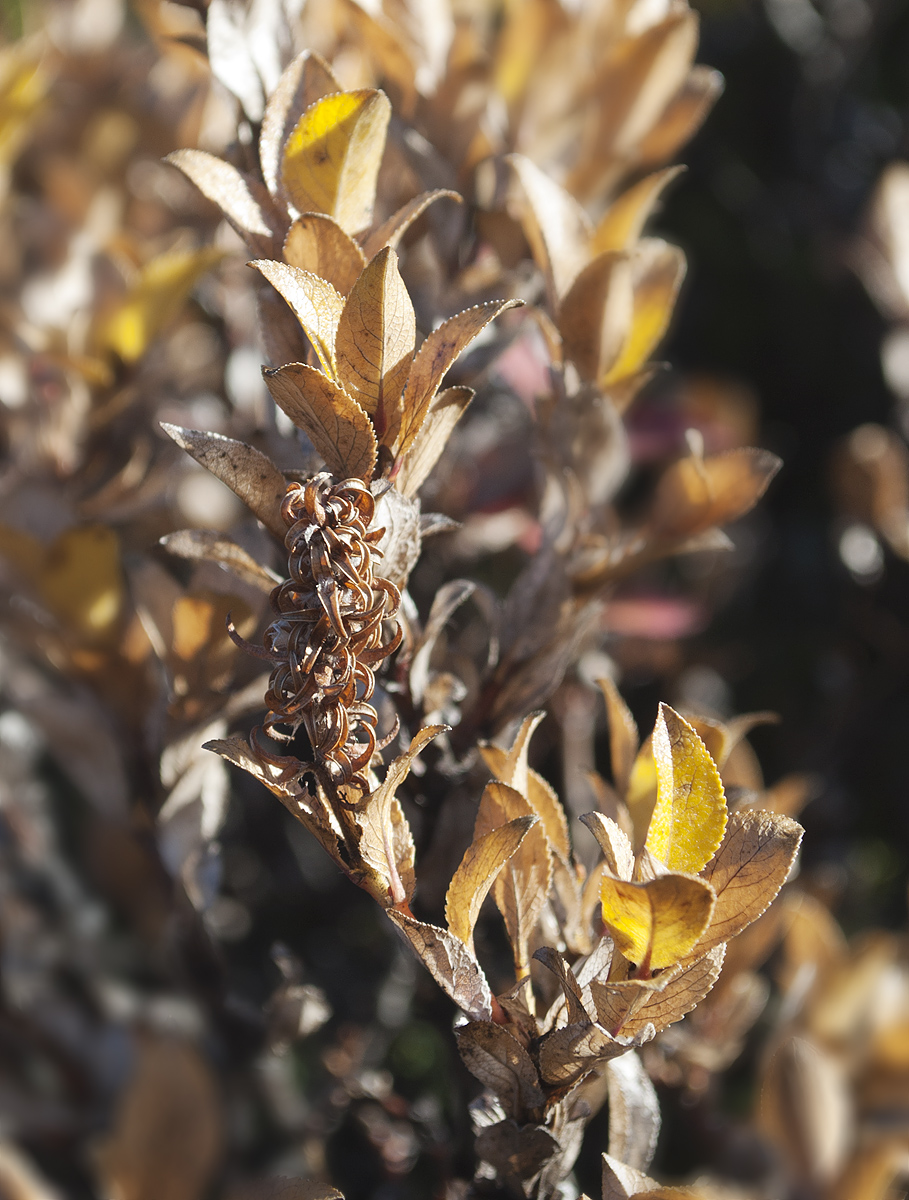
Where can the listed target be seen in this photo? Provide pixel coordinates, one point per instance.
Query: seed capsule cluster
(326, 637)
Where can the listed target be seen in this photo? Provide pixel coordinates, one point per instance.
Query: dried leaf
(556, 227)
(445, 410)
(658, 271)
(433, 360)
(315, 303)
(246, 471)
(567, 1053)
(206, 545)
(223, 184)
(500, 1062)
(335, 424)
(510, 766)
(748, 870)
(331, 159)
(696, 493)
(620, 1182)
(596, 314)
(634, 1113)
(482, 861)
(307, 79)
(623, 735)
(516, 1153)
(554, 961)
(521, 890)
(448, 599)
(318, 244)
(375, 343)
(690, 812)
(392, 230)
(450, 963)
(656, 923)
(630, 1005)
(613, 842)
(622, 223)
(400, 544)
(683, 116)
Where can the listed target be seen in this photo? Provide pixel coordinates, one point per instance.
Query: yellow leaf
(623, 735)
(595, 316)
(336, 425)
(642, 792)
(305, 80)
(81, 581)
(683, 115)
(154, 300)
(481, 864)
(656, 923)
(696, 493)
(315, 303)
(332, 158)
(556, 227)
(621, 224)
(318, 244)
(658, 273)
(613, 842)
(375, 343)
(444, 411)
(689, 817)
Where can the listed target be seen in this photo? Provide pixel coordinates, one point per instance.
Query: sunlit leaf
(656, 923)
(622, 223)
(444, 411)
(595, 315)
(696, 493)
(658, 271)
(450, 963)
(307, 79)
(224, 185)
(555, 225)
(315, 303)
(482, 861)
(390, 232)
(318, 244)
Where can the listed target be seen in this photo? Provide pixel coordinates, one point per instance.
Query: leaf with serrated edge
(245, 470)
(621, 224)
(634, 1112)
(690, 812)
(621, 1182)
(315, 303)
(697, 493)
(207, 545)
(628, 1006)
(656, 923)
(624, 738)
(613, 842)
(305, 80)
(510, 766)
(391, 232)
(748, 870)
(554, 961)
(482, 861)
(318, 244)
(658, 272)
(331, 159)
(375, 343)
(556, 227)
(435, 357)
(335, 424)
(595, 315)
(450, 963)
(223, 184)
(569, 1051)
(521, 891)
(445, 410)
(500, 1062)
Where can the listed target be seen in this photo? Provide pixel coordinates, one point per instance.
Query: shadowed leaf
(315, 303)
(318, 244)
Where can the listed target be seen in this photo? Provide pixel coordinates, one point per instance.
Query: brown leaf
(445, 410)
(331, 159)
(246, 471)
(556, 227)
(624, 738)
(521, 890)
(613, 842)
(510, 766)
(628, 1006)
(433, 360)
(392, 230)
(554, 961)
(683, 115)
(595, 315)
(501, 1063)
(620, 1182)
(335, 424)
(318, 244)
(307, 79)
(206, 545)
(747, 871)
(281, 1188)
(167, 1135)
(634, 1112)
(517, 1153)
(696, 493)
(375, 343)
(450, 963)
(400, 544)
(315, 303)
(482, 861)
(235, 194)
(622, 223)
(567, 1053)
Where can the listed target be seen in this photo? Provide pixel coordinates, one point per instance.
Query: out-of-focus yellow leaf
(623, 735)
(315, 303)
(658, 274)
(696, 493)
(689, 817)
(642, 792)
(656, 923)
(595, 315)
(22, 87)
(81, 581)
(556, 227)
(621, 224)
(683, 115)
(481, 864)
(332, 158)
(155, 299)
(318, 244)
(337, 426)
(375, 343)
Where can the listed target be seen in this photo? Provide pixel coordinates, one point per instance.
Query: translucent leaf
(634, 1112)
(391, 231)
(556, 227)
(595, 315)
(624, 738)
(315, 303)
(656, 923)
(622, 223)
(683, 115)
(318, 244)
(658, 273)
(445, 410)
(482, 861)
(696, 493)
(307, 79)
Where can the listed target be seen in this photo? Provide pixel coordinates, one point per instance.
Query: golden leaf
(155, 299)
(392, 230)
(81, 581)
(335, 424)
(629, 1005)
(656, 923)
(317, 243)
(315, 303)
(748, 870)
(305, 80)
(375, 343)
(613, 842)
(482, 861)
(445, 410)
(623, 735)
(621, 224)
(683, 115)
(332, 158)
(433, 360)
(697, 493)
(657, 270)
(595, 315)
(556, 227)
(641, 795)
(690, 812)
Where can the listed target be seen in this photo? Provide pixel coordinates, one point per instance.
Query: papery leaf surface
(315, 304)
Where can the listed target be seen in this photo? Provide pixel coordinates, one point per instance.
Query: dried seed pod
(326, 638)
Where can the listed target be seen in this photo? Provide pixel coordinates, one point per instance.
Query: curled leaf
(656, 923)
